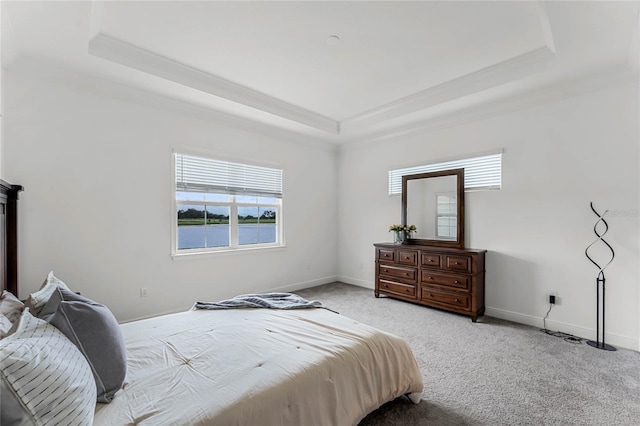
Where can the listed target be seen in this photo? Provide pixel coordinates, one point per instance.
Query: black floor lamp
(600, 280)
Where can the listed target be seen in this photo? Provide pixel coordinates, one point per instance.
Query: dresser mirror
(434, 203)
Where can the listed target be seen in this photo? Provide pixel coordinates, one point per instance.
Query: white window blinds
(197, 174)
(480, 173)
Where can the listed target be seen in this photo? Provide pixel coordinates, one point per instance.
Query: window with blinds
(222, 205)
(480, 173)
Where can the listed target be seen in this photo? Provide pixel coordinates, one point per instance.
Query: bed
(217, 367)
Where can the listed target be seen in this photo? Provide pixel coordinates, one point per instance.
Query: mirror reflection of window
(446, 208)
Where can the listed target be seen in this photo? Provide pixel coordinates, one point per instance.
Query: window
(446, 216)
(221, 205)
(480, 173)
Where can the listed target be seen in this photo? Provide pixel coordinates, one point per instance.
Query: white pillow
(10, 306)
(44, 378)
(5, 326)
(37, 300)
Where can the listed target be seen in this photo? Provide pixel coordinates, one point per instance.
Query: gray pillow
(14, 411)
(95, 331)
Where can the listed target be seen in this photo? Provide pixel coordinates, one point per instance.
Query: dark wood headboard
(9, 236)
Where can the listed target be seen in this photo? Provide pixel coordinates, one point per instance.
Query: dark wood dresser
(444, 278)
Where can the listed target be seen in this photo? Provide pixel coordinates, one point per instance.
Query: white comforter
(258, 367)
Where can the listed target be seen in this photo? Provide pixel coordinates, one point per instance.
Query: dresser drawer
(459, 301)
(408, 257)
(386, 255)
(406, 290)
(408, 274)
(445, 278)
(457, 263)
(457, 282)
(430, 260)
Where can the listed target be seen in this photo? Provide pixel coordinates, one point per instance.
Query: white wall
(557, 158)
(97, 173)
(96, 167)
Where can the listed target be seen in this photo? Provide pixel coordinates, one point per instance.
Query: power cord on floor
(566, 336)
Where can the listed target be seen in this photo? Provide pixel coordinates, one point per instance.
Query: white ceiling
(398, 65)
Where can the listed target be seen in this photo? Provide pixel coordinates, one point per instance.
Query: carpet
(494, 372)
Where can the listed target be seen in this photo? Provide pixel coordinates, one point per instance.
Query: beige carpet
(494, 372)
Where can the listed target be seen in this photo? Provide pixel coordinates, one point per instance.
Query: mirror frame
(459, 242)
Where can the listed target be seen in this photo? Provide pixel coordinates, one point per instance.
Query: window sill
(226, 251)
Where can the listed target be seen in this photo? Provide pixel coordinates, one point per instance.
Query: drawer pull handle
(385, 286)
(457, 263)
(385, 270)
(430, 295)
(406, 274)
(407, 290)
(430, 260)
(457, 301)
(430, 278)
(457, 282)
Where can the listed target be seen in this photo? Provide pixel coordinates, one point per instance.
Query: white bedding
(258, 367)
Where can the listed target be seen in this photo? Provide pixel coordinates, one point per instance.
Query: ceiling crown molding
(517, 67)
(512, 69)
(115, 50)
(570, 85)
(546, 26)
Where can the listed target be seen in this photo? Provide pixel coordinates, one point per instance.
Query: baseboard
(355, 281)
(303, 284)
(282, 289)
(159, 314)
(579, 331)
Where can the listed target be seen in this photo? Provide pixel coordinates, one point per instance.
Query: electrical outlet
(552, 299)
(144, 292)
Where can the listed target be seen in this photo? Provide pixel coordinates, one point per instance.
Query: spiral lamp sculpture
(600, 279)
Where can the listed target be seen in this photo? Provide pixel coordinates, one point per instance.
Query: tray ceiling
(340, 71)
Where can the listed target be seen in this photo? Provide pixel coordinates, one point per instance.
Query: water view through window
(191, 236)
(207, 226)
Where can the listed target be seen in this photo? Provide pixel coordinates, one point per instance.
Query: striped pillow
(45, 380)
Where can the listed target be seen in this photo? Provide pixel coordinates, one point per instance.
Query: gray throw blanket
(264, 300)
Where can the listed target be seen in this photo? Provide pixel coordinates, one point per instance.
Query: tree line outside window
(191, 215)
